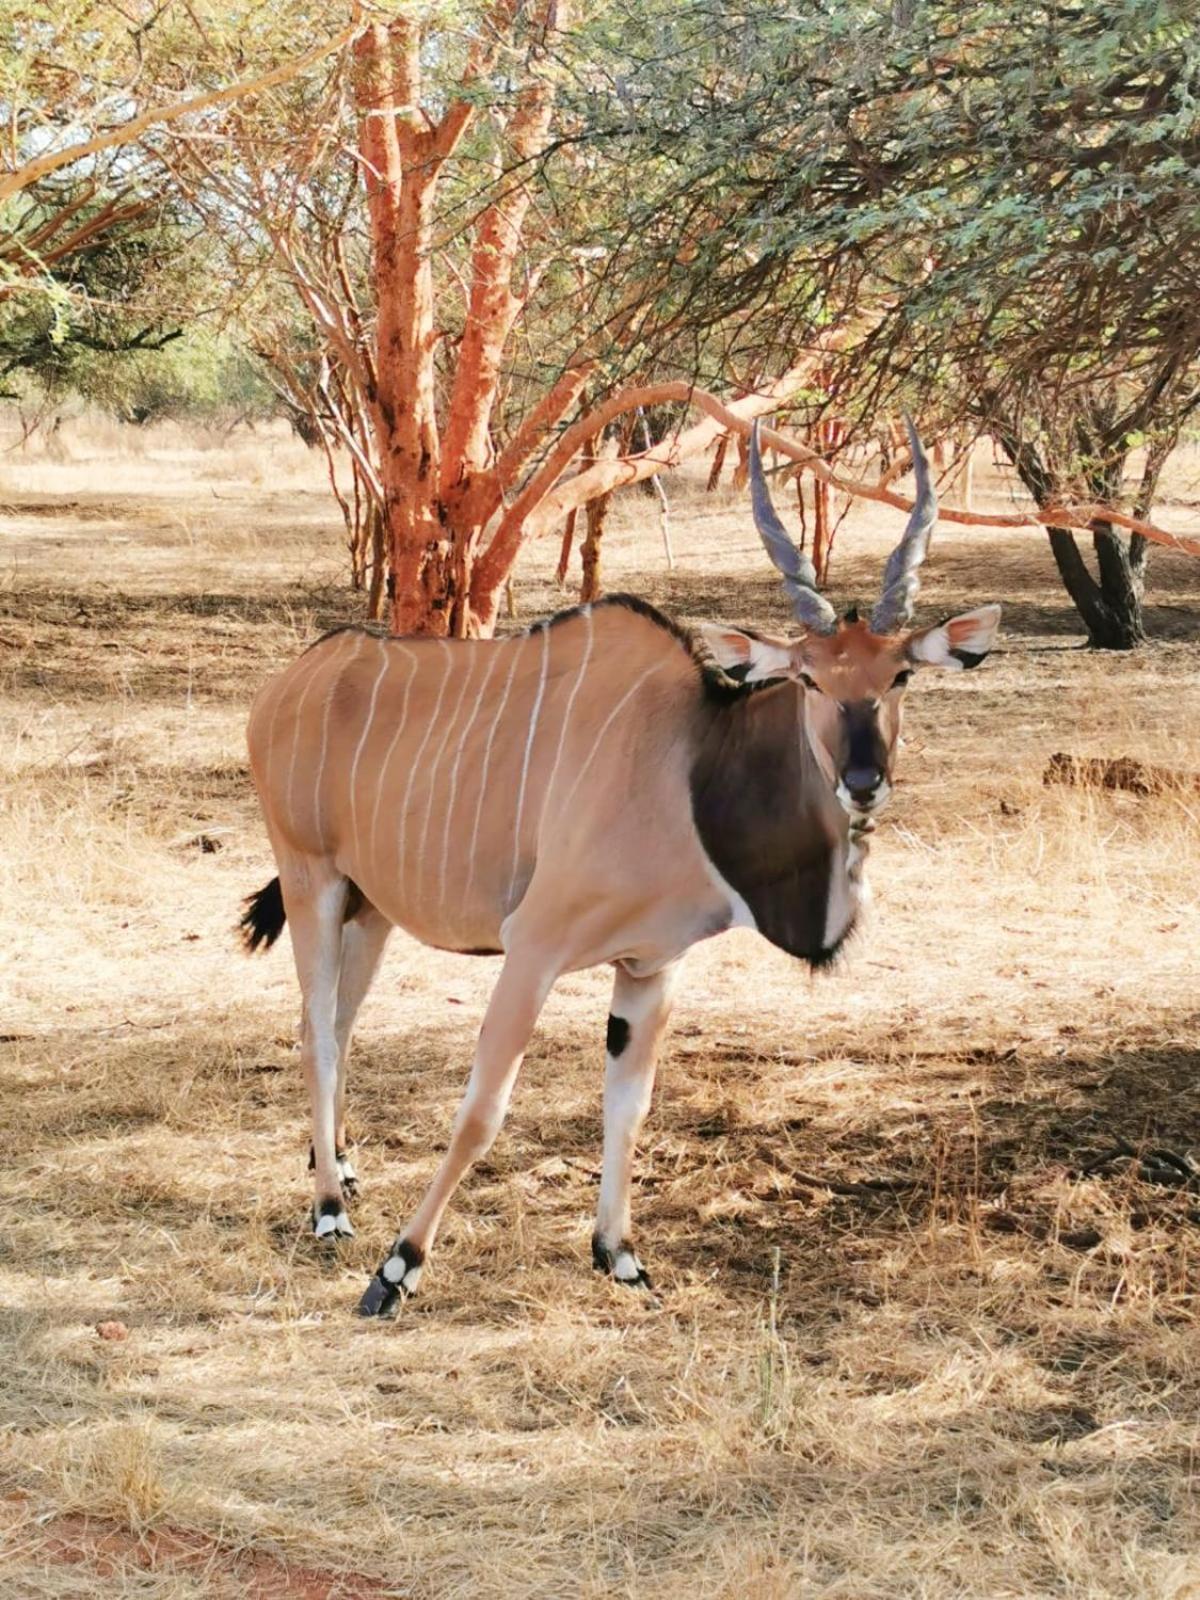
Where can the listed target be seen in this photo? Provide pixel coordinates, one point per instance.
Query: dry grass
(983, 1382)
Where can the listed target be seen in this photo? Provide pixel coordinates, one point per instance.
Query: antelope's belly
(445, 912)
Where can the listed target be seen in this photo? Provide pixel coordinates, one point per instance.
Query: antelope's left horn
(900, 580)
(799, 574)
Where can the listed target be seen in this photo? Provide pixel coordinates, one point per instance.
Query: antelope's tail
(262, 921)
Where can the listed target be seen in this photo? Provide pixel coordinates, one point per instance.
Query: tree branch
(13, 182)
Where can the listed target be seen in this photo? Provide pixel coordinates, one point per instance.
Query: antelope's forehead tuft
(854, 644)
(853, 662)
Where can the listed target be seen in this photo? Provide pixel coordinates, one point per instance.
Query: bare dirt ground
(981, 1378)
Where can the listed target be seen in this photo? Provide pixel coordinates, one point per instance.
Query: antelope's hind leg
(315, 897)
(512, 1012)
(364, 936)
(636, 1022)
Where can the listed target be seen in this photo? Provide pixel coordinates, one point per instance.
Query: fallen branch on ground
(1150, 1165)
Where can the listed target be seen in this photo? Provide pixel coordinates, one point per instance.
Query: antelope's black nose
(862, 783)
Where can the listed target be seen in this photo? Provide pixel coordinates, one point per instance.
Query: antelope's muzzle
(863, 776)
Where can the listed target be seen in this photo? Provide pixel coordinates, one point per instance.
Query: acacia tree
(454, 456)
(450, 311)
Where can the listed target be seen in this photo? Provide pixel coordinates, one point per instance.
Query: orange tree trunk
(401, 160)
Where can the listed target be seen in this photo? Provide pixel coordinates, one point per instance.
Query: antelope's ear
(745, 656)
(959, 643)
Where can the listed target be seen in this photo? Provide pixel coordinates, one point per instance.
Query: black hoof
(330, 1221)
(396, 1279)
(621, 1264)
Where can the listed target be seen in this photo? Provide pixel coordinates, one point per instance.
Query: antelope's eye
(901, 678)
(806, 680)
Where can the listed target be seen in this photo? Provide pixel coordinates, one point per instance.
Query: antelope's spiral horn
(799, 574)
(900, 576)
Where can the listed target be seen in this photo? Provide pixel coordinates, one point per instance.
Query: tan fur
(481, 776)
(486, 795)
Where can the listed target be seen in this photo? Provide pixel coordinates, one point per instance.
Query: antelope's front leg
(512, 1011)
(637, 1020)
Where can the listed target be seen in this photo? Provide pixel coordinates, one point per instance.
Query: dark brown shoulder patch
(753, 805)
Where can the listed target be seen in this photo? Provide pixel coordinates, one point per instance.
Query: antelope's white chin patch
(853, 809)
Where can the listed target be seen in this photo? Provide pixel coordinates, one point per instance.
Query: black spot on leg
(328, 1208)
(618, 1035)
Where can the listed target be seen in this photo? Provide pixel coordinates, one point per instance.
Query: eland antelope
(606, 787)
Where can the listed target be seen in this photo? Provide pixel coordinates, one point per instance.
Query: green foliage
(205, 377)
(1009, 192)
(73, 288)
(102, 261)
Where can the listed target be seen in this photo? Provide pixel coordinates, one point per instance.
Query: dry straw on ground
(980, 1380)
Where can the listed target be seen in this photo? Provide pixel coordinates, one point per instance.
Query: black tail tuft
(262, 921)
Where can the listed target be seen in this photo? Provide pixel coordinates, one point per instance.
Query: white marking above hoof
(338, 1226)
(345, 1171)
(398, 1272)
(627, 1268)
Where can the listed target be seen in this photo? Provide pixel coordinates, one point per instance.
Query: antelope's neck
(771, 825)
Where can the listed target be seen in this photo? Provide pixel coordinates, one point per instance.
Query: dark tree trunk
(1111, 609)
(564, 554)
(714, 476)
(1110, 606)
(595, 514)
(378, 547)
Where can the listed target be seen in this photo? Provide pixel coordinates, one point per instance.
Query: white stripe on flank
(487, 761)
(606, 725)
(495, 656)
(586, 613)
(416, 764)
(333, 688)
(362, 739)
(397, 731)
(533, 723)
(437, 760)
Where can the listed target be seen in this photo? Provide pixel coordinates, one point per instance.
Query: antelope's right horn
(799, 575)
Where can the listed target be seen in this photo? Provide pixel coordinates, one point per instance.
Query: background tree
(470, 244)
(98, 255)
(1020, 181)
